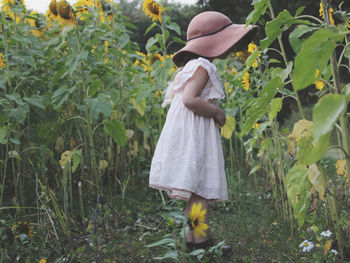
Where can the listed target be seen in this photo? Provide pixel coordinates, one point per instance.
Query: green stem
(284, 54)
(81, 201)
(280, 171)
(336, 80)
(345, 134)
(6, 52)
(311, 17)
(164, 40)
(332, 205)
(4, 173)
(88, 118)
(340, 148)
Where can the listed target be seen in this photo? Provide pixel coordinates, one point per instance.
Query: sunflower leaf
(276, 106)
(258, 107)
(150, 28)
(260, 7)
(320, 45)
(123, 40)
(175, 27)
(294, 37)
(150, 44)
(36, 100)
(298, 191)
(170, 254)
(164, 241)
(326, 113)
(117, 131)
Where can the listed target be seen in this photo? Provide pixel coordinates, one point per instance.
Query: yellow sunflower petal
(199, 230)
(152, 9)
(201, 215)
(196, 208)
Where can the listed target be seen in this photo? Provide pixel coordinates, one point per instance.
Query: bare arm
(193, 102)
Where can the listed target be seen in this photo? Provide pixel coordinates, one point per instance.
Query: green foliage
(276, 106)
(326, 113)
(258, 106)
(260, 7)
(298, 192)
(85, 93)
(320, 45)
(117, 131)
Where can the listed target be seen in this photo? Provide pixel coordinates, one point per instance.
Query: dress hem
(169, 189)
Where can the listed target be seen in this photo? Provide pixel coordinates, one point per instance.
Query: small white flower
(326, 233)
(306, 245)
(334, 251)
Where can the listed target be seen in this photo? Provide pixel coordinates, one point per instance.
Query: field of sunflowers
(81, 112)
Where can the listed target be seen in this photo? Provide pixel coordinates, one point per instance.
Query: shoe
(205, 244)
(226, 250)
(189, 245)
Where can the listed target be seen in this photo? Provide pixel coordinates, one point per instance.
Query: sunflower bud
(106, 7)
(63, 9)
(53, 7)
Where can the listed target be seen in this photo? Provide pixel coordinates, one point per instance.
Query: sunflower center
(53, 7)
(154, 58)
(64, 11)
(195, 222)
(153, 8)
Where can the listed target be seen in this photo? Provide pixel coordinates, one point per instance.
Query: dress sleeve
(187, 72)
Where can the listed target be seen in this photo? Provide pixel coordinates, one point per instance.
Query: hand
(220, 117)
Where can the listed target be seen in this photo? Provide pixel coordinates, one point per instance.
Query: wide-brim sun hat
(210, 34)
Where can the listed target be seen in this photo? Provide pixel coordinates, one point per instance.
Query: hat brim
(214, 45)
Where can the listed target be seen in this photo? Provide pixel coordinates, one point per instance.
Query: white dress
(188, 156)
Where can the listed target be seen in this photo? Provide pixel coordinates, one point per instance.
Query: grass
(247, 223)
(118, 230)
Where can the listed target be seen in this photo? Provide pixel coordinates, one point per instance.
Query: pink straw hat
(210, 34)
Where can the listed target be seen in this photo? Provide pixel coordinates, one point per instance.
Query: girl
(188, 161)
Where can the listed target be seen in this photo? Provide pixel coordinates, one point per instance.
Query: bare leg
(195, 199)
(189, 234)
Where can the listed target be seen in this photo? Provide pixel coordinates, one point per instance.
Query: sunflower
(2, 61)
(43, 260)
(156, 57)
(65, 13)
(153, 10)
(228, 89)
(341, 167)
(255, 125)
(6, 7)
(319, 84)
(53, 8)
(251, 48)
(105, 7)
(82, 8)
(106, 45)
(330, 12)
(173, 69)
(35, 23)
(196, 220)
(24, 228)
(234, 71)
(241, 55)
(245, 81)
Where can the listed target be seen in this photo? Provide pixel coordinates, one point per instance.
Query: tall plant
(314, 42)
